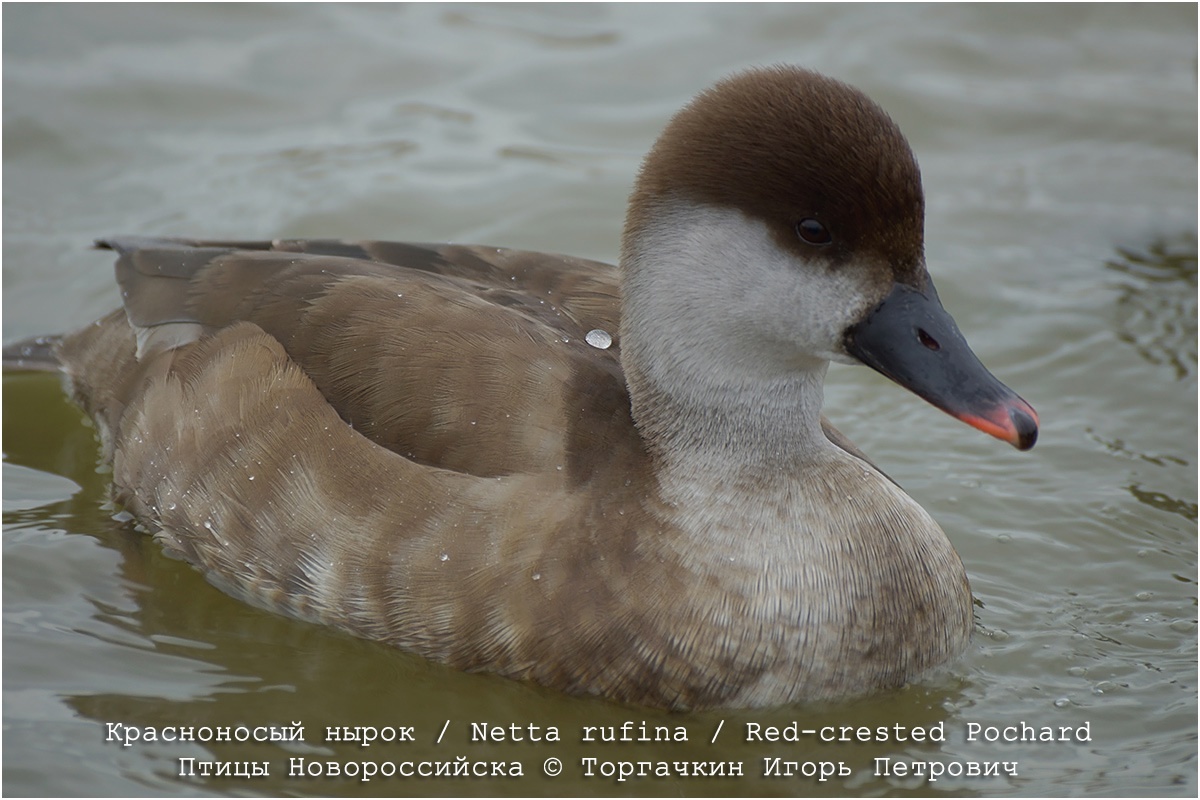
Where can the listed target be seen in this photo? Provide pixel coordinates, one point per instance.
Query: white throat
(725, 340)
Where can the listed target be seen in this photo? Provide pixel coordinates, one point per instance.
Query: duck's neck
(708, 388)
(709, 422)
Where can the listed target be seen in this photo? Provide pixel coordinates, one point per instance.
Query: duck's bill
(911, 339)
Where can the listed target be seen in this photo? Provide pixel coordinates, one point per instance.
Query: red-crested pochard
(609, 481)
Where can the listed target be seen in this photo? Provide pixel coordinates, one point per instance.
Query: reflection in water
(1164, 502)
(1158, 303)
(1120, 447)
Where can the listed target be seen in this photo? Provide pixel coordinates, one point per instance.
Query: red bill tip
(1014, 422)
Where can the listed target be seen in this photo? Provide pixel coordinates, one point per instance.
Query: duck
(613, 481)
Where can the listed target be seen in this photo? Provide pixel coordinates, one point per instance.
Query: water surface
(1058, 147)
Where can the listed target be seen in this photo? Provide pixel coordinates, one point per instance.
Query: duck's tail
(42, 353)
(37, 354)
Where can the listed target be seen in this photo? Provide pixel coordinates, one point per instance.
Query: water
(601, 340)
(1058, 146)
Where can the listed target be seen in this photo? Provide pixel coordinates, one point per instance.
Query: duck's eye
(813, 232)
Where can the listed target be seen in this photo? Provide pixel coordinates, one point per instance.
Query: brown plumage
(417, 444)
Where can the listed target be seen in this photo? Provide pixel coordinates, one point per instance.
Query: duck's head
(778, 224)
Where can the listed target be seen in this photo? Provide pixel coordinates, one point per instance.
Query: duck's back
(467, 358)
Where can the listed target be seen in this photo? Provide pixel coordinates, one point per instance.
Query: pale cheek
(817, 315)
